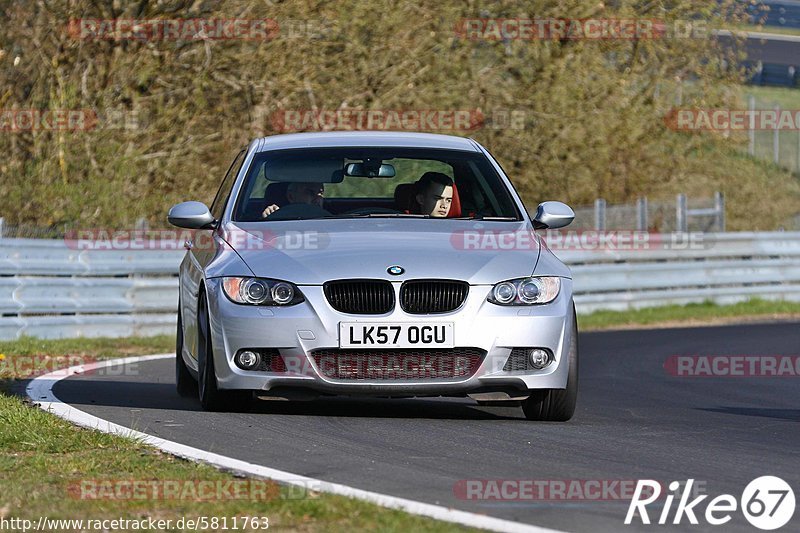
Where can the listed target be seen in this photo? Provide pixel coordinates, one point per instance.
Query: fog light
(539, 358)
(247, 360)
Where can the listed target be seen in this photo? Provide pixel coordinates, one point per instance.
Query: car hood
(311, 252)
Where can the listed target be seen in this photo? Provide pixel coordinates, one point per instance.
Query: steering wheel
(371, 211)
(298, 211)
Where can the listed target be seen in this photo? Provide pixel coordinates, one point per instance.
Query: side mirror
(191, 215)
(552, 215)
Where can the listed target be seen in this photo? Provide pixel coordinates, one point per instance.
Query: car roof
(366, 139)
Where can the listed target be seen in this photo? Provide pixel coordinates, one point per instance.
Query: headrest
(404, 197)
(276, 194)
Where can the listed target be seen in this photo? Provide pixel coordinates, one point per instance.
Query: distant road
(768, 47)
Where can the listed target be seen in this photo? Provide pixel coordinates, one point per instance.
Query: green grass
(44, 458)
(100, 347)
(768, 97)
(28, 357)
(690, 314)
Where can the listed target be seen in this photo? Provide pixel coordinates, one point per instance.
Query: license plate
(391, 335)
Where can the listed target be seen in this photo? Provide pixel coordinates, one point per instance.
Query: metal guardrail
(720, 267)
(49, 290)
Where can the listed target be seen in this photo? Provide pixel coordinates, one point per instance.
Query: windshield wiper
(500, 219)
(379, 215)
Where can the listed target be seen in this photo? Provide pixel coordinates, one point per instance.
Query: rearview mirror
(364, 170)
(191, 215)
(553, 215)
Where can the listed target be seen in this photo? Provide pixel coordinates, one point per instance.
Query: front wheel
(212, 398)
(184, 382)
(557, 405)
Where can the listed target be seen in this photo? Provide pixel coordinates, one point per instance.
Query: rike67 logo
(767, 502)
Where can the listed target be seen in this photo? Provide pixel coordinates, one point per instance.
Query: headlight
(282, 293)
(504, 293)
(260, 291)
(525, 291)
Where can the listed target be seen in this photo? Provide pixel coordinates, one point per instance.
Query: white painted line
(40, 390)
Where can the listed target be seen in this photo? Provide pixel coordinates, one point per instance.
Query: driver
(300, 192)
(434, 194)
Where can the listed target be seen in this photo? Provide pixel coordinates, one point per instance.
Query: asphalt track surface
(777, 49)
(634, 421)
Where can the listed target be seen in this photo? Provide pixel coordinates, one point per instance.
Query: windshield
(303, 184)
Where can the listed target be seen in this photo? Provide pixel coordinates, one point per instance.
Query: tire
(557, 405)
(212, 398)
(184, 382)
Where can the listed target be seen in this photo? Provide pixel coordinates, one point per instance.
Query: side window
(224, 192)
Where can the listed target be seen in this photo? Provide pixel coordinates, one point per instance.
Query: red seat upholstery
(455, 206)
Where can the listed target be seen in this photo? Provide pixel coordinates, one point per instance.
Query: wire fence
(683, 214)
(780, 146)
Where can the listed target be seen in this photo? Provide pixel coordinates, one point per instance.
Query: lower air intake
(401, 365)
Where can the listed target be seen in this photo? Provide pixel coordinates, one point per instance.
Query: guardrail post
(2, 222)
(641, 214)
(142, 227)
(776, 139)
(719, 205)
(751, 133)
(600, 214)
(681, 224)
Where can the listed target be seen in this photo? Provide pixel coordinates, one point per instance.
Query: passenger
(434, 194)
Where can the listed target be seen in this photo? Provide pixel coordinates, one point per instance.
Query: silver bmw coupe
(374, 264)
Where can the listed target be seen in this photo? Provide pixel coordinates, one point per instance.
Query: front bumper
(298, 330)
